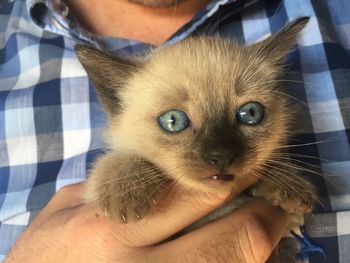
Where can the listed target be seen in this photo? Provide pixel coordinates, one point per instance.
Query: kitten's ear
(277, 46)
(107, 73)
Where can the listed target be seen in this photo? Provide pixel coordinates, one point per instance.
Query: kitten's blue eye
(174, 121)
(251, 113)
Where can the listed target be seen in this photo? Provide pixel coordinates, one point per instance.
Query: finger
(248, 235)
(174, 212)
(67, 197)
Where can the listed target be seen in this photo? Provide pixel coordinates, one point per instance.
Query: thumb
(175, 211)
(248, 235)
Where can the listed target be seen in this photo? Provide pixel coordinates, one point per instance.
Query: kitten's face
(201, 91)
(206, 111)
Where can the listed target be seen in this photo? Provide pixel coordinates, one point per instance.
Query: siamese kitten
(203, 113)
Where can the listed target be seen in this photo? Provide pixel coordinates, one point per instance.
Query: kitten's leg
(124, 187)
(294, 194)
(291, 192)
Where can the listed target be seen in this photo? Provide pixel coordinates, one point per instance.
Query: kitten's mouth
(222, 177)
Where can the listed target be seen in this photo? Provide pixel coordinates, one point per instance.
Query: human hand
(67, 230)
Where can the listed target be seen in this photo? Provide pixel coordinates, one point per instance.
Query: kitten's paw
(298, 199)
(130, 207)
(124, 187)
(295, 221)
(294, 204)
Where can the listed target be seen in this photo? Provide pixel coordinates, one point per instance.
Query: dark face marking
(220, 143)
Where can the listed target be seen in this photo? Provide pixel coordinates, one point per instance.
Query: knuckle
(220, 250)
(68, 189)
(65, 190)
(225, 247)
(244, 242)
(257, 245)
(97, 238)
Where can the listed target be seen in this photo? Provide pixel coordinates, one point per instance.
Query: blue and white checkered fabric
(51, 121)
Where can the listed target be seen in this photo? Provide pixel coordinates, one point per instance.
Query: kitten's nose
(221, 160)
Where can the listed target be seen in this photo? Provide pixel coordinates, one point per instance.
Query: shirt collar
(54, 16)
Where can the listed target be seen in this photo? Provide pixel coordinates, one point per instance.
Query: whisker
(301, 168)
(302, 162)
(292, 192)
(292, 97)
(303, 156)
(306, 144)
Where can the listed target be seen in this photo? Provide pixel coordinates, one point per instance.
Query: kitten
(203, 113)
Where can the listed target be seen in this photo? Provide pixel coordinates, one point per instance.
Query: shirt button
(64, 10)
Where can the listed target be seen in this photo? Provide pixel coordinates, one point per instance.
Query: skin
(150, 25)
(67, 230)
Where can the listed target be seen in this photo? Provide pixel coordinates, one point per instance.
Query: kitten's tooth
(137, 215)
(275, 202)
(124, 218)
(105, 210)
(154, 201)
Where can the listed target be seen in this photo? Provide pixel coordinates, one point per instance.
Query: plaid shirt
(51, 121)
